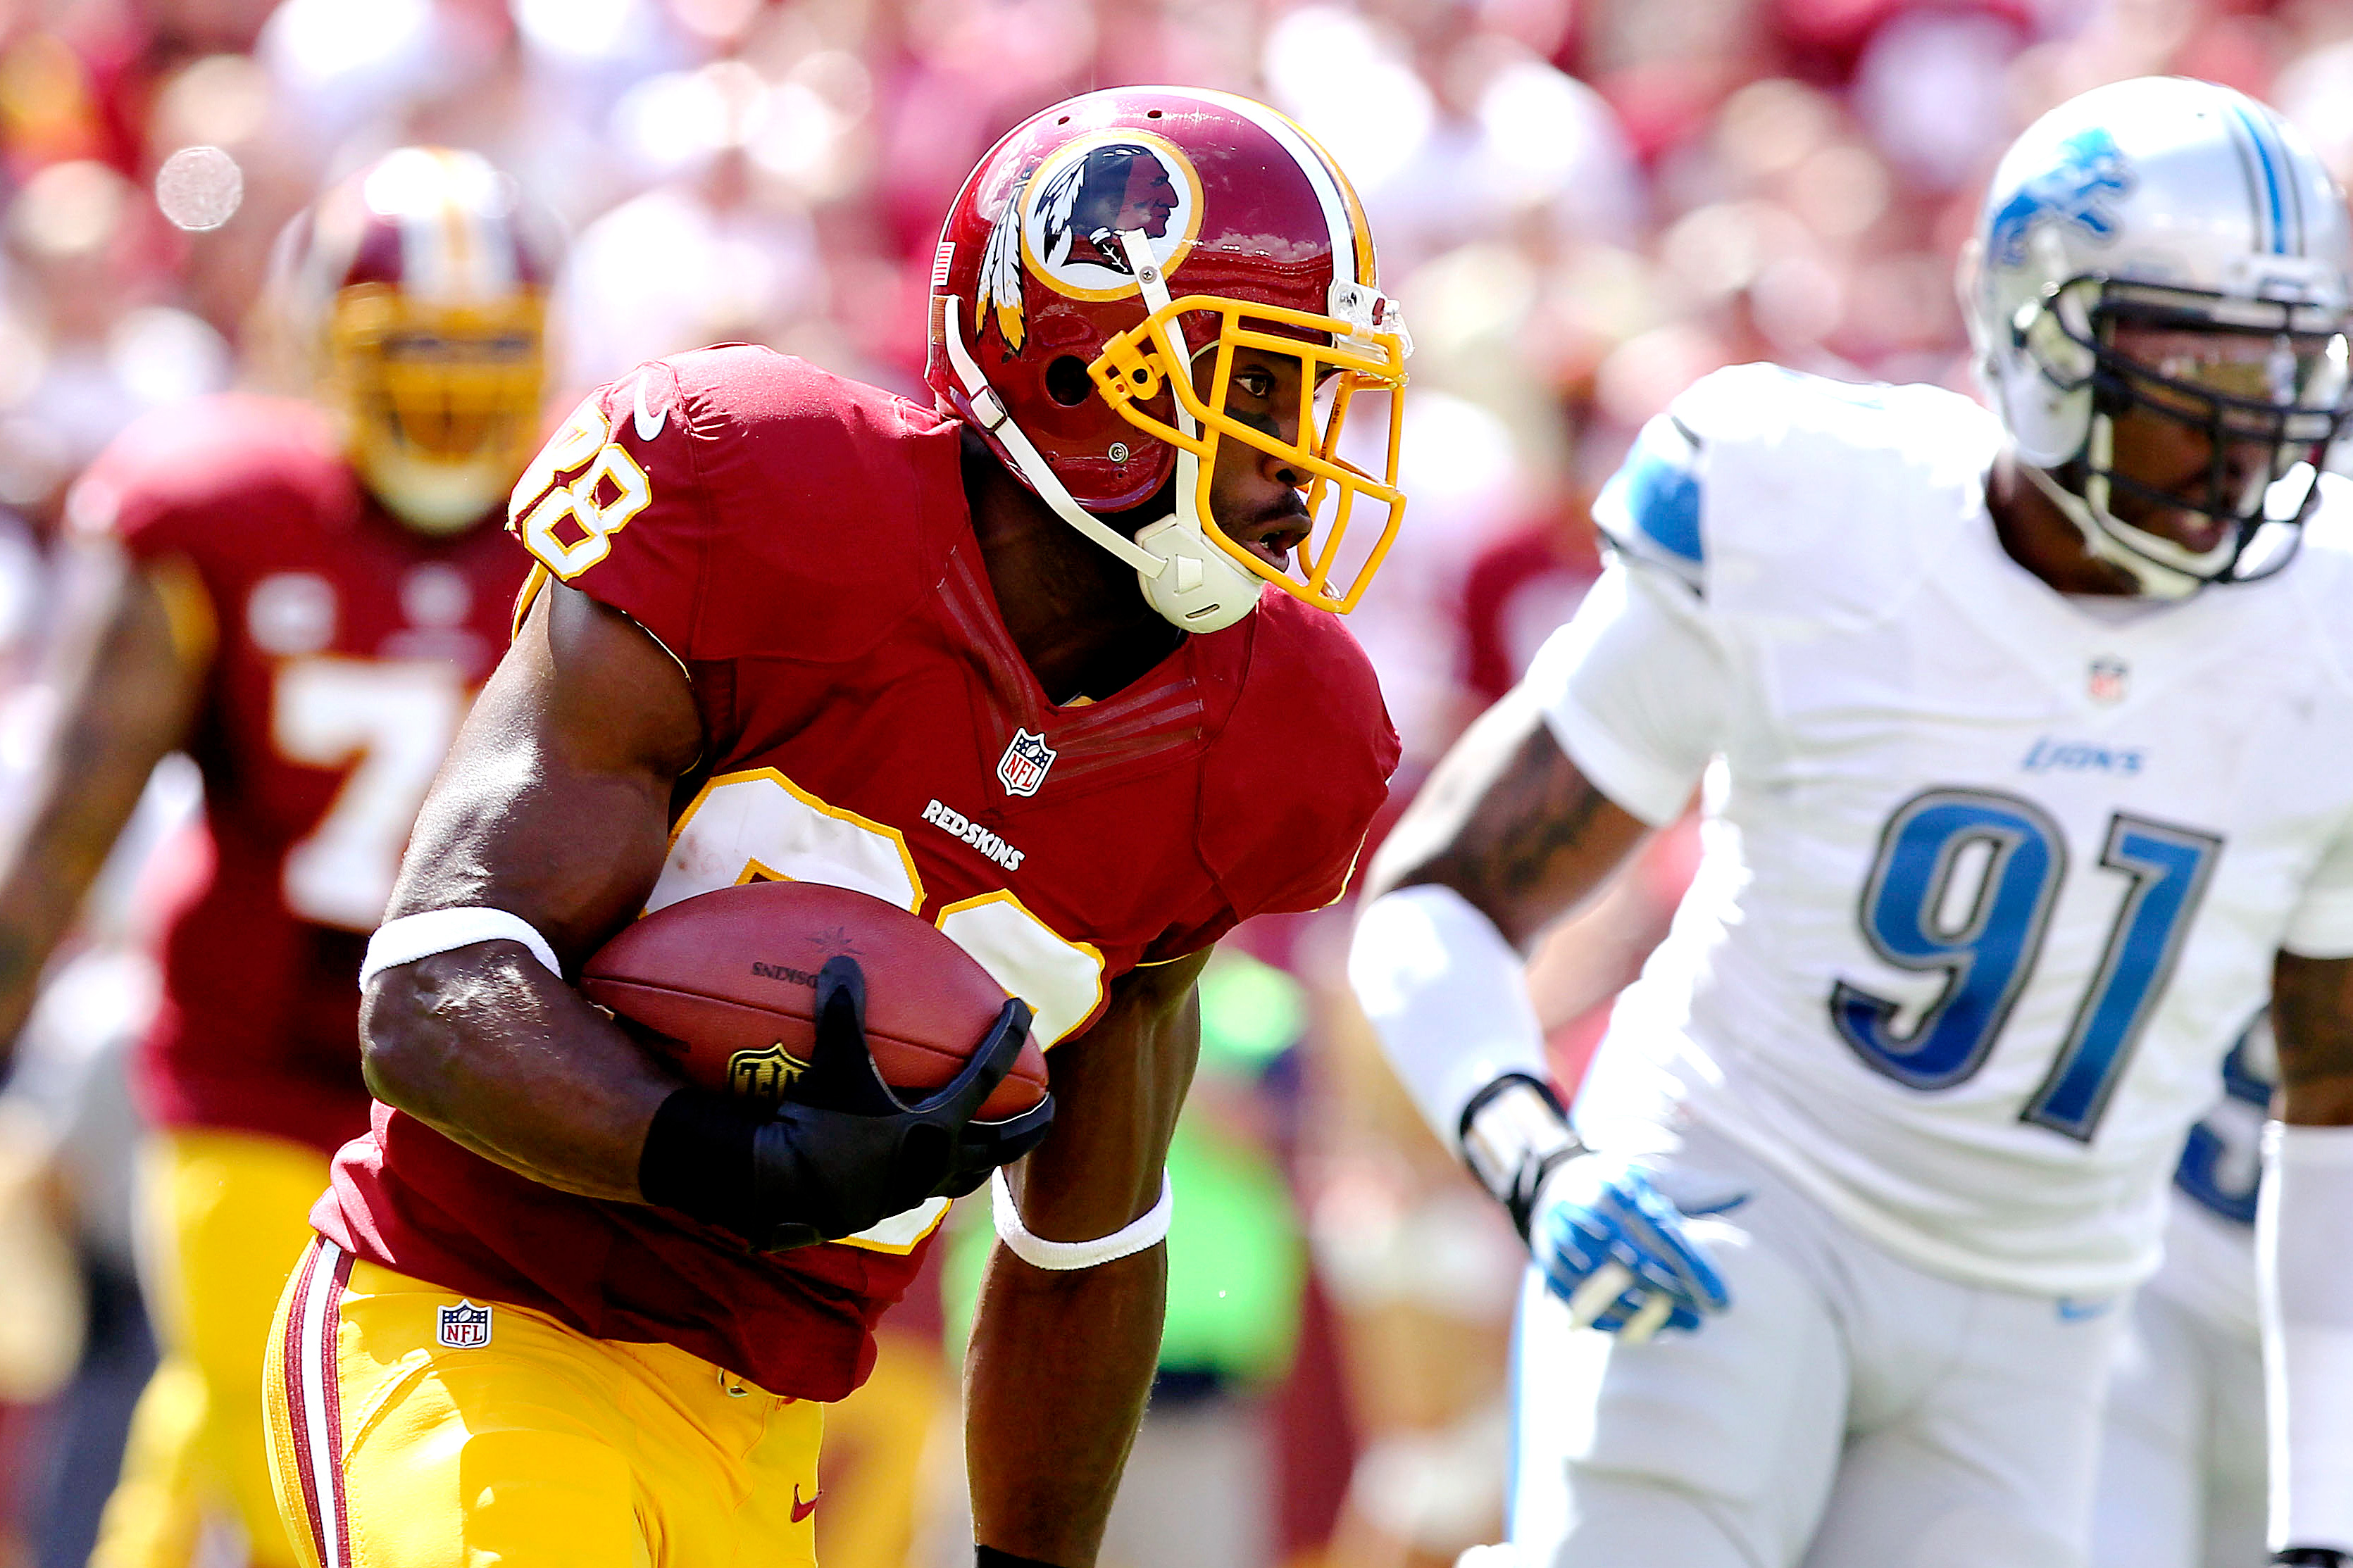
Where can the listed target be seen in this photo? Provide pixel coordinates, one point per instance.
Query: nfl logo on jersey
(1023, 766)
(464, 1327)
(2108, 678)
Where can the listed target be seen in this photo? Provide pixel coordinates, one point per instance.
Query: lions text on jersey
(1994, 877)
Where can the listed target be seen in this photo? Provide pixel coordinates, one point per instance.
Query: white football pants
(2182, 1458)
(1848, 1410)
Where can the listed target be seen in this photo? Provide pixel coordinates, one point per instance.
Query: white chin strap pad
(1199, 590)
(1202, 589)
(1186, 580)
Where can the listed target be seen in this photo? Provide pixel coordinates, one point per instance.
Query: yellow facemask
(1346, 358)
(440, 403)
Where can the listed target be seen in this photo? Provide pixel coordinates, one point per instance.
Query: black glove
(845, 1151)
(2312, 1557)
(983, 1146)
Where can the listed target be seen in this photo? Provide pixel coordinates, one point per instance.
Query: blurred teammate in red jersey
(1052, 664)
(304, 599)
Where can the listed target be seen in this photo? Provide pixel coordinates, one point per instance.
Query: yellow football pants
(411, 1428)
(222, 1216)
(876, 1441)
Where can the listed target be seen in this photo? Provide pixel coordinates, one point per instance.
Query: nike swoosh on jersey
(801, 1511)
(649, 426)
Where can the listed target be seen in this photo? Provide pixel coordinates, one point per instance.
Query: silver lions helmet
(2167, 246)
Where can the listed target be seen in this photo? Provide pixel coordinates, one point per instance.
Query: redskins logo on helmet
(424, 280)
(1092, 283)
(1088, 193)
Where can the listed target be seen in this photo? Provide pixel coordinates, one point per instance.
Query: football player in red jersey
(303, 598)
(1052, 664)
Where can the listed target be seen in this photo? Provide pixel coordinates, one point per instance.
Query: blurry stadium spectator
(301, 595)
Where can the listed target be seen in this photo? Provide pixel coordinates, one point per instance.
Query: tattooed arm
(1508, 822)
(1511, 827)
(1510, 835)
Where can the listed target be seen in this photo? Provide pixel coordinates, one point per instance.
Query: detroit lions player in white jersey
(2182, 1446)
(2036, 740)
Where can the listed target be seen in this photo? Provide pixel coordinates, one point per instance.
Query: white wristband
(1447, 997)
(1148, 1230)
(2305, 1276)
(412, 936)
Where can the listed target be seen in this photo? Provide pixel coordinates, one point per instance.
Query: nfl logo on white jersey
(1023, 766)
(464, 1327)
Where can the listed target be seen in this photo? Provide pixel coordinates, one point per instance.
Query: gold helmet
(429, 278)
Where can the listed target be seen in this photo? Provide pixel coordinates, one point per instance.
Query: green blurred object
(1236, 1259)
(1250, 1014)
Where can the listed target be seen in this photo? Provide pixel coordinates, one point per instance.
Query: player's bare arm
(2312, 1015)
(126, 681)
(1509, 822)
(554, 806)
(1509, 826)
(1061, 1361)
(794, 538)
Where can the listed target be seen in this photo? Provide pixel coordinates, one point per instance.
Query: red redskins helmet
(425, 278)
(1093, 280)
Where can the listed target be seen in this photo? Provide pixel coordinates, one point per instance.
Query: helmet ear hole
(1067, 383)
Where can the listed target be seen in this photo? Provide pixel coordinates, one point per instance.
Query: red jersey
(344, 647)
(802, 544)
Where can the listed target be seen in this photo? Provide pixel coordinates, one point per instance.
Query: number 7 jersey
(341, 650)
(1993, 876)
(802, 545)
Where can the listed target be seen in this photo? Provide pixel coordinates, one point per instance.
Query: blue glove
(1613, 1248)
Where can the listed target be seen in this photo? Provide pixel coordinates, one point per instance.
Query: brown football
(724, 985)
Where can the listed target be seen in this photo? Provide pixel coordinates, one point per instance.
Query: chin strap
(2092, 519)
(1186, 579)
(989, 410)
(2161, 568)
(1204, 589)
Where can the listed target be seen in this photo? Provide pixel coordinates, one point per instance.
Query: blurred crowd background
(1583, 204)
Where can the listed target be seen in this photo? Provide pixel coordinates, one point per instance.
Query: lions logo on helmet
(2175, 210)
(2091, 170)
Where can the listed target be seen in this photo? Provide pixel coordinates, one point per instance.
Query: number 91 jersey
(341, 649)
(802, 544)
(1993, 876)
